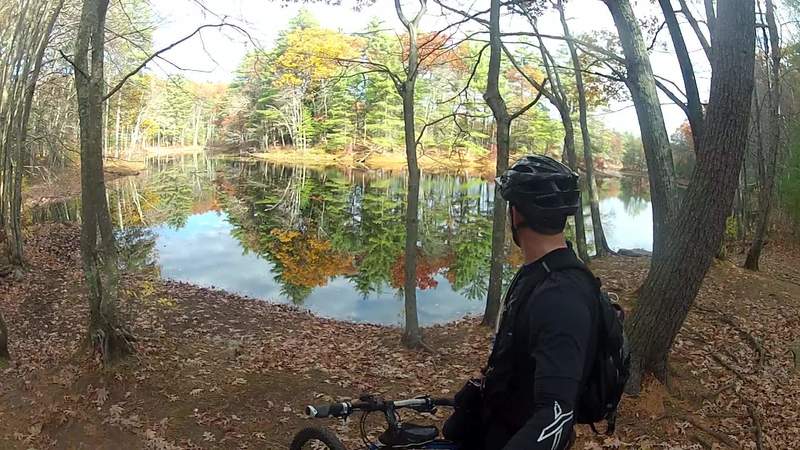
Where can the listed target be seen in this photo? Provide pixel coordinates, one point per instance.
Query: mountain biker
(544, 343)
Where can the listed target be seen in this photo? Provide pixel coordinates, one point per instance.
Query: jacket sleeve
(559, 329)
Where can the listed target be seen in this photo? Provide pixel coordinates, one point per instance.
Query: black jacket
(542, 353)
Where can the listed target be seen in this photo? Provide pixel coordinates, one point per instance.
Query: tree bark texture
(672, 285)
(4, 355)
(108, 337)
(773, 125)
(600, 243)
(503, 121)
(642, 86)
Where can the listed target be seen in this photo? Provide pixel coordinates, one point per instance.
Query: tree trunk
(694, 108)
(21, 91)
(4, 355)
(117, 149)
(773, 123)
(412, 335)
(642, 86)
(495, 101)
(600, 243)
(671, 286)
(572, 161)
(99, 256)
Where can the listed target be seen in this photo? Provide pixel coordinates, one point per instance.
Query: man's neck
(537, 245)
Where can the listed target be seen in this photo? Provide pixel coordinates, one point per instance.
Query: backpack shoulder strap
(564, 260)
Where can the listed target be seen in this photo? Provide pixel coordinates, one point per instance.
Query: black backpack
(601, 394)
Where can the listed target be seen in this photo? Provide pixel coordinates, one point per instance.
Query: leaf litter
(216, 370)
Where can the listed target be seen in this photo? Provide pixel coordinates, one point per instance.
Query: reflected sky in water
(205, 253)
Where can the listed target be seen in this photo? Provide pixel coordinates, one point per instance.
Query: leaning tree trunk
(502, 123)
(108, 337)
(642, 86)
(600, 243)
(774, 136)
(672, 285)
(4, 355)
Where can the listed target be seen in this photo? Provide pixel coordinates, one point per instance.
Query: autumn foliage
(427, 268)
(307, 260)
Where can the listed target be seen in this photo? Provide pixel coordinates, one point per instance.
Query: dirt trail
(215, 370)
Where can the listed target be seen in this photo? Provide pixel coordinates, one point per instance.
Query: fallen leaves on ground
(215, 370)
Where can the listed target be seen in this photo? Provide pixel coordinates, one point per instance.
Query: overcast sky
(215, 56)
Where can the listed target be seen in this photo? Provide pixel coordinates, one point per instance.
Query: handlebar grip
(444, 402)
(322, 411)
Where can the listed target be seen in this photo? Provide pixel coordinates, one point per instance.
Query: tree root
(114, 345)
(715, 394)
(751, 409)
(751, 340)
(728, 366)
(715, 434)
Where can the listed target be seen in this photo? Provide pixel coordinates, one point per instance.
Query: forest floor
(214, 370)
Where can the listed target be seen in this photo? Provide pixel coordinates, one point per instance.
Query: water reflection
(330, 240)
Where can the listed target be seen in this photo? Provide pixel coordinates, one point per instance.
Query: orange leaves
(427, 268)
(437, 50)
(521, 81)
(307, 261)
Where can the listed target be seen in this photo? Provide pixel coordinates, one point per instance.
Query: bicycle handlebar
(344, 409)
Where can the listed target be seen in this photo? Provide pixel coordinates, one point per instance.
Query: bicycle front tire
(322, 435)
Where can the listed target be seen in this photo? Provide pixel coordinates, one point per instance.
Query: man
(544, 345)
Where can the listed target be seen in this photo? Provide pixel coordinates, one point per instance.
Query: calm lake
(329, 240)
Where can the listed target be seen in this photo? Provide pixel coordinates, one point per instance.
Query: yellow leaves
(285, 236)
(312, 55)
(307, 260)
(167, 302)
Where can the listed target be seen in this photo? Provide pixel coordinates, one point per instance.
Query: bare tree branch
(696, 26)
(525, 108)
(136, 70)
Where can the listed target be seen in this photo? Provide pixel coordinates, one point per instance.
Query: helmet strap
(515, 227)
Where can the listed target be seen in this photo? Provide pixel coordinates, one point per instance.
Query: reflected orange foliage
(427, 268)
(307, 260)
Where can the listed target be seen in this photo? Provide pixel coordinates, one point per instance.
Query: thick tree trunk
(642, 86)
(773, 123)
(672, 285)
(600, 243)
(4, 355)
(502, 123)
(107, 336)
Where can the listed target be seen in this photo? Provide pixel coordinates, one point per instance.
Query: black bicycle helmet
(542, 189)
